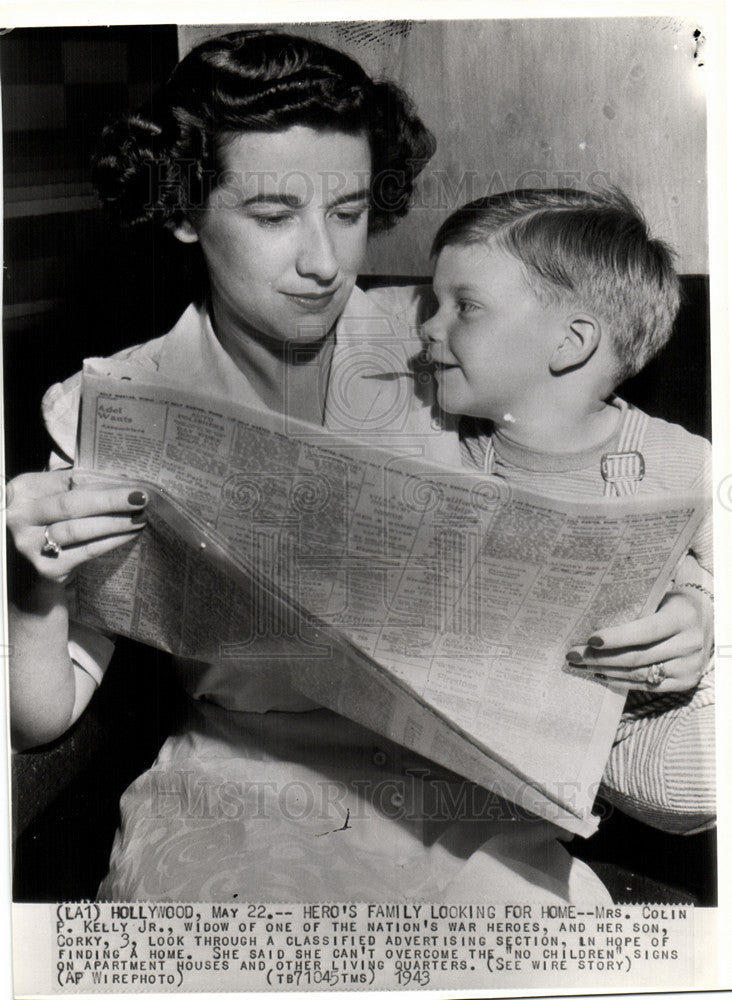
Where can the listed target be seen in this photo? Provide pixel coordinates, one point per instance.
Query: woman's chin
(300, 335)
(310, 336)
(313, 329)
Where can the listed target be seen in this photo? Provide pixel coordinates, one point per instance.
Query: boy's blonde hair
(590, 247)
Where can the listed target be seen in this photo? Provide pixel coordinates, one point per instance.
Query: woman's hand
(56, 529)
(677, 639)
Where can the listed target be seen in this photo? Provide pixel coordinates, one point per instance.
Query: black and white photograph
(361, 382)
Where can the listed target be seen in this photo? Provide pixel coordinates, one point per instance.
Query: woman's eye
(349, 216)
(271, 221)
(464, 307)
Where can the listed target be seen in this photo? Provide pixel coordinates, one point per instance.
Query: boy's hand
(678, 638)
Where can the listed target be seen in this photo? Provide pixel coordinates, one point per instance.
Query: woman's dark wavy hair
(165, 160)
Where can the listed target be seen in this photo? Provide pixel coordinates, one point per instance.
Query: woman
(277, 156)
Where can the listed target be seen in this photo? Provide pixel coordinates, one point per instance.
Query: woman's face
(284, 233)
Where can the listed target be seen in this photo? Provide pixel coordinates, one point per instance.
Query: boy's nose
(433, 330)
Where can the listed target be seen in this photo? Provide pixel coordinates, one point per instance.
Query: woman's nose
(317, 257)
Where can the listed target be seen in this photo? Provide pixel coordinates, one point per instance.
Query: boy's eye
(464, 307)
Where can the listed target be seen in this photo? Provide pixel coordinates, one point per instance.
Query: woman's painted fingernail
(574, 658)
(137, 498)
(595, 640)
(139, 517)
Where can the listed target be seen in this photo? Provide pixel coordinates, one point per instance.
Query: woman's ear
(580, 341)
(182, 229)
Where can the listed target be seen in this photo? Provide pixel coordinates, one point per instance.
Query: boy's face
(491, 338)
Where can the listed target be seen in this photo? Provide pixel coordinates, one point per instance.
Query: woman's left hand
(662, 652)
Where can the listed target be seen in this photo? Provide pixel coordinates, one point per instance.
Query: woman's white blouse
(376, 338)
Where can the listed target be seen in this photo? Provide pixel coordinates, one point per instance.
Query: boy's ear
(580, 341)
(182, 229)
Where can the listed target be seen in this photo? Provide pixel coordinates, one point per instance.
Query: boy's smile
(491, 338)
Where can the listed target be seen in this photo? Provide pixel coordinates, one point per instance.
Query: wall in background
(60, 86)
(560, 98)
(67, 288)
(542, 103)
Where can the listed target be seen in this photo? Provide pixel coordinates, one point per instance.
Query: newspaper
(434, 607)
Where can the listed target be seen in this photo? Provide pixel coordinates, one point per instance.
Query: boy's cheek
(448, 400)
(440, 396)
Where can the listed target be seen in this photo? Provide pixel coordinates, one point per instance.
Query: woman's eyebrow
(361, 194)
(289, 200)
(294, 201)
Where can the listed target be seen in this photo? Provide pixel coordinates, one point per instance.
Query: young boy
(547, 301)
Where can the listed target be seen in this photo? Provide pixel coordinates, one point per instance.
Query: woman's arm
(42, 681)
(661, 769)
(48, 691)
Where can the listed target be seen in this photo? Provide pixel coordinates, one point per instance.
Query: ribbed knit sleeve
(662, 767)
